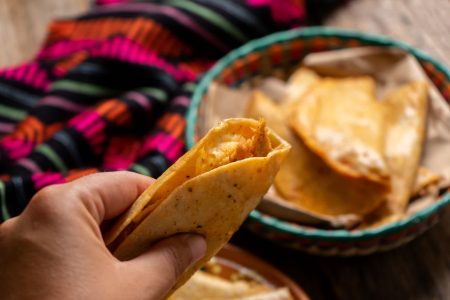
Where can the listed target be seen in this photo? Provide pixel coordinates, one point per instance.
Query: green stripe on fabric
(189, 87)
(12, 113)
(158, 94)
(211, 16)
(83, 88)
(52, 156)
(5, 213)
(140, 169)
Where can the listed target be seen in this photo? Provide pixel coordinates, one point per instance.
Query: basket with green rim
(282, 51)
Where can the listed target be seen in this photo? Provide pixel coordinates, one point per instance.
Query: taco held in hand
(208, 191)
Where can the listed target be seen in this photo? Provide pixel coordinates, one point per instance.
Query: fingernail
(197, 244)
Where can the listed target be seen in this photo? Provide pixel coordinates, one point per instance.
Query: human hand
(55, 249)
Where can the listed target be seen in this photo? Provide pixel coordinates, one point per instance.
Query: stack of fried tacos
(352, 155)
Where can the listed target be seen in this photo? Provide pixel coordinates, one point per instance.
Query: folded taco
(208, 191)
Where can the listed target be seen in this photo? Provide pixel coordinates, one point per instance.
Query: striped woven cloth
(109, 90)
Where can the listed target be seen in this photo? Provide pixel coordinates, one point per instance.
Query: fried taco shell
(306, 181)
(342, 122)
(208, 191)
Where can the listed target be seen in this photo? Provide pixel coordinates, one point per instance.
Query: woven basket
(278, 54)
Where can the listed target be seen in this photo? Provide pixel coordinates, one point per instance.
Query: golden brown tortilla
(306, 180)
(203, 285)
(342, 122)
(298, 85)
(424, 180)
(208, 191)
(406, 119)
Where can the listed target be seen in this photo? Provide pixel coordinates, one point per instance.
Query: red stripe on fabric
(141, 56)
(176, 14)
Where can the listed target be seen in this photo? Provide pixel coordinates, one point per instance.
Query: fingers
(105, 195)
(109, 194)
(165, 262)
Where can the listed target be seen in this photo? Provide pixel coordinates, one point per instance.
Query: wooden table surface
(419, 270)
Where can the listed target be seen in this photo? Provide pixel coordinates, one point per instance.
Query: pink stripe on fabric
(6, 127)
(9, 142)
(181, 100)
(17, 153)
(116, 163)
(20, 72)
(124, 51)
(16, 148)
(139, 54)
(150, 143)
(84, 120)
(94, 129)
(97, 142)
(283, 11)
(58, 72)
(115, 48)
(29, 165)
(109, 2)
(62, 103)
(134, 51)
(58, 49)
(9, 73)
(74, 121)
(168, 11)
(258, 2)
(31, 73)
(65, 48)
(39, 81)
(141, 57)
(45, 179)
(139, 99)
(175, 152)
(166, 143)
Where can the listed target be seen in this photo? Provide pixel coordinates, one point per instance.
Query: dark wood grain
(418, 270)
(424, 24)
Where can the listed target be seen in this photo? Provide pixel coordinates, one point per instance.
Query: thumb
(159, 268)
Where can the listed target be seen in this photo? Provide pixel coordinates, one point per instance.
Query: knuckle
(6, 227)
(46, 200)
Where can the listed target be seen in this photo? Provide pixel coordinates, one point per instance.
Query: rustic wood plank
(424, 24)
(418, 270)
(24, 24)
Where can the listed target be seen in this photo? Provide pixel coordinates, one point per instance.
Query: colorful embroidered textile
(109, 90)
